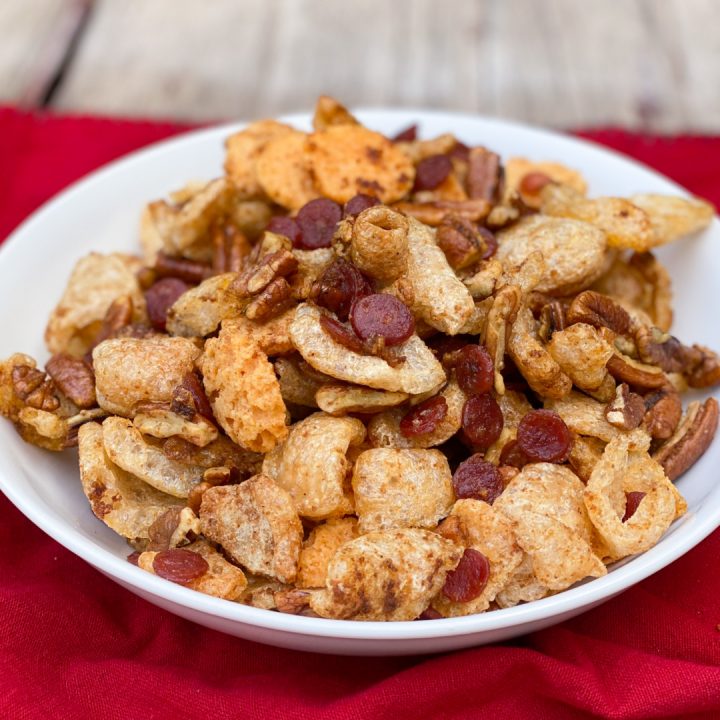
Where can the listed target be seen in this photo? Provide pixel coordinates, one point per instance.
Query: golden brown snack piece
(339, 400)
(243, 391)
(401, 488)
(488, 531)
(132, 371)
(271, 336)
(582, 354)
(516, 168)
(311, 265)
(311, 464)
(329, 112)
(673, 217)
(126, 504)
(523, 586)
(96, 281)
(257, 526)
(296, 386)
(350, 159)
(162, 423)
(379, 245)
(584, 416)
(126, 447)
(584, 455)
(317, 551)
(386, 575)
(420, 372)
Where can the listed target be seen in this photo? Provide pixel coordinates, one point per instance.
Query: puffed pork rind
(379, 245)
(132, 371)
(673, 217)
(162, 423)
(384, 429)
(386, 575)
(338, 400)
(545, 504)
(401, 487)
(329, 112)
(311, 464)
(243, 390)
(491, 533)
(582, 353)
(222, 579)
(243, 149)
(349, 159)
(296, 387)
(256, 524)
(126, 504)
(421, 372)
(574, 251)
(523, 586)
(221, 452)
(128, 449)
(584, 416)
(317, 551)
(271, 336)
(96, 280)
(624, 467)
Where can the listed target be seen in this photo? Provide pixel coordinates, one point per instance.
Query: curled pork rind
(419, 373)
(574, 251)
(311, 464)
(132, 371)
(342, 399)
(317, 551)
(624, 467)
(386, 575)
(257, 526)
(401, 488)
(126, 504)
(243, 391)
(488, 531)
(582, 354)
(379, 245)
(96, 281)
(673, 217)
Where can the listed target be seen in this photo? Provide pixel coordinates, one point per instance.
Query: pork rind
(126, 447)
(523, 586)
(222, 579)
(311, 464)
(283, 173)
(436, 293)
(257, 526)
(243, 149)
(421, 372)
(132, 371)
(584, 416)
(386, 575)
(516, 168)
(123, 502)
(271, 336)
(488, 531)
(350, 159)
(574, 251)
(343, 399)
(673, 217)
(624, 467)
(545, 504)
(317, 551)
(582, 353)
(329, 112)
(162, 423)
(397, 488)
(96, 281)
(384, 429)
(199, 311)
(502, 312)
(584, 455)
(221, 452)
(296, 387)
(379, 245)
(151, 241)
(243, 391)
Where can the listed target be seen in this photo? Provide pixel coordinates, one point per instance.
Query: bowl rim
(576, 599)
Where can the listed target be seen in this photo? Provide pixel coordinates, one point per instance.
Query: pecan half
(690, 440)
(461, 242)
(626, 410)
(258, 276)
(552, 319)
(293, 601)
(191, 271)
(663, 410)
(658, 348)
(599, 310)
(176, 526)
(433, 213)
(34, 388)
(230, 249)
(74, 378)
(484, 175)
(117, 316)
(634, 373)
(271, 302)
(705, 369)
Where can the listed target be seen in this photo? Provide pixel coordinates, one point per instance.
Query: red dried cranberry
(482, 421)
(341, 333)
(287, 226)
(429, 614)
(194, 385)
(160, 297)
(474, 369)
(133, 558)
(318, 220)
(355, 205)
(442, 345)
(382, 316)
(511, 454)
(407, 135)
(460, 151)
(431, 171)
(477, 479)
(544, 437)
(469, 578)
(491, 243)
(339, 286)
(180, 565)
(425, 417)
(533, 182)
(632, 500)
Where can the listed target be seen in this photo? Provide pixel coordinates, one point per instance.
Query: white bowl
(101, 213)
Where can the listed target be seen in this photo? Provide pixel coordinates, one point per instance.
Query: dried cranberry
(544, 437)
(425, 417)
(474, 370)
(407, 135)
(532, 183)
(355, 205)
(512, 455)
(460, 151)
(431, 171)
(317, 220)
(478, 479)
(429, 614)
(194, 385)
(287, 226)
(180, 565)
(491, 243)
(632, 500)
(482, 420)
(341, 333)
(443, 345)
(133, 558)
(161, 297)
(339, 286)
(469, 578)
(382, 316)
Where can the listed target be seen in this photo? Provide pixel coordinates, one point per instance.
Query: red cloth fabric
(75, 645)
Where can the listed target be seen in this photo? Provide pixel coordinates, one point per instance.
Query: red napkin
(76, 645)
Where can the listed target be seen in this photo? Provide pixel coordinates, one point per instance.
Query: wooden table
(646, 64)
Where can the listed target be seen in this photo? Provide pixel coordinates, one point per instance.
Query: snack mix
(377, 379)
